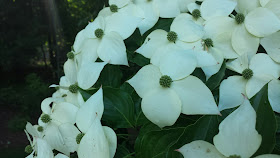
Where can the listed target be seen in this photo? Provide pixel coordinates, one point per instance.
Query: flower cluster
(205, 35)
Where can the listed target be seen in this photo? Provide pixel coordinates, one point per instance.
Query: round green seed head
(114, 8)
(165, 81)
(247, 74)
(99, 33)
(79, 137)
(40, 129)
(172, 36)
(46, 118)
(28, 149)
(196, 13)
(208, 42)
(234, 156)
(70, 55)
(239, 18)
(74, 88)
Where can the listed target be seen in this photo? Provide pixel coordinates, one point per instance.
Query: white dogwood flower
(94, 139)
(96, 40)
(58, 125)
(237, 137)
(254, 77)
(167, 93)
(122, 16)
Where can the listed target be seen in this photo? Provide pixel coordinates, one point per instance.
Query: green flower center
(234, 156)
(247, 74)
(239, 18)
(70, 55)
(165, 81)
(40, 129)
(208, 42)
(74, 88)
(149, 0)
(196, 13)
(46, 118)
(99, 33)
(172, 36)
(28, 149)
(79, 137)
(114, 8)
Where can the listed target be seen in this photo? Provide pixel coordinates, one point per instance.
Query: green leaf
(138, 59)
(119, 108)
(215, 80)
(161, 143)
(162, 23)
(122, 152)
(140, 118)
(198, 72)
(110, 76)
(278, 123)
(266, 121)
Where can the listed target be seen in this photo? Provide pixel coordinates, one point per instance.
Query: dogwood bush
(168, 79)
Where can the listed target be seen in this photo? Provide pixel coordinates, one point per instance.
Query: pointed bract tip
(178, 150)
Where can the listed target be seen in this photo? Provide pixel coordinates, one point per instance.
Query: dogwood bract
(165, 96)
(237, 137)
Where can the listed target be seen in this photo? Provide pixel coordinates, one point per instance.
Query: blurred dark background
(35, 37)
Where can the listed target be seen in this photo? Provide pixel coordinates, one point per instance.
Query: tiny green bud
(79, 137)
(64, 95)
(234, 156)
(28, 149)
(114, 8)
(239, 18)
(172, 36)
(208, 42)
(57, 88)
(196, 13)
(70, 55)
(247, 74)
(46, 118)
(149, 0)
(74, 88)
(165, 81)
(40, 129)
(99, 33)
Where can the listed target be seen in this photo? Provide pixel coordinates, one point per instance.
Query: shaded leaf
(266, 122)
(215, 80)
(161, 143)
(119, 108)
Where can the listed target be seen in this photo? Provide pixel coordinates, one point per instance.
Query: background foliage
(35, 37)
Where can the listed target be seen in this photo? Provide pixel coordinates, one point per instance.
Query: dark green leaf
(266, 122)
(119, 108)
(138, 59)
(215, 80)
(162, 23)
(278, 123)
(110, 76)
(122, 152)
(199, 74)
(161, 143)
